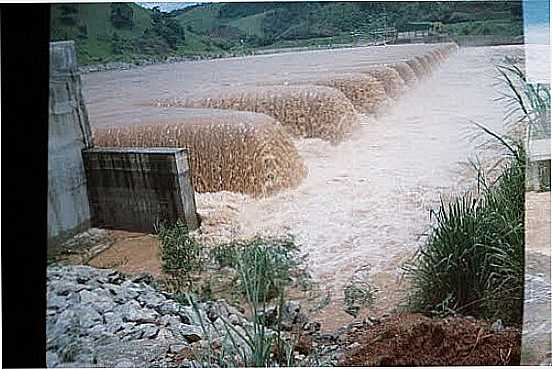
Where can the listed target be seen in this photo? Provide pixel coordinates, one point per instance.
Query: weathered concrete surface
(134, 188)
(538, 166)
(68, 134)
(537, 325)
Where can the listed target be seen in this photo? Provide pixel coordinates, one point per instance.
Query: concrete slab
(538, 165)
(537, 321)
(135, 188)
(68, 134)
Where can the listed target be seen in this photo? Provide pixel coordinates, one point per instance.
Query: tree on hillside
(69, 14)
(122, 15)
(83, 31)
(167, 27)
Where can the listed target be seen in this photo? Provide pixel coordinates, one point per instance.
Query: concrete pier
(538, 165)
(68, 134)
(537, 317)
(537, 321)
(136, 188)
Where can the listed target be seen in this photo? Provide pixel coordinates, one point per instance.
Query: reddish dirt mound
(416, 340)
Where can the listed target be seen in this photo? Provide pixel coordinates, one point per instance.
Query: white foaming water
(367, 200)
(364, 201)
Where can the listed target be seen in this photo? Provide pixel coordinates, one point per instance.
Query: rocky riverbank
(102, 67)
(98, 317)
(101, 318)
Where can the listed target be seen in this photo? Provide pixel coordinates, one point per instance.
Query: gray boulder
(131, 311)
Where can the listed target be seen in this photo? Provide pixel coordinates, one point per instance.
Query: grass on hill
(499, 27)
(93, 31)
(252, 24)
(200, 19)
(239, 28)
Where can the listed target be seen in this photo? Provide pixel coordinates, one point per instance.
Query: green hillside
(294, 23)
(91, 27)
(127, 32)
(105, 32)
(251, 24)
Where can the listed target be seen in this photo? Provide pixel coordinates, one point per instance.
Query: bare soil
(131, 253)
(416, 340)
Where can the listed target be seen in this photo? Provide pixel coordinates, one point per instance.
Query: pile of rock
(100, 318)
(96, 317)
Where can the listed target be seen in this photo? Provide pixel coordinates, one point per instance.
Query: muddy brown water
(365, 202)
(110, 94)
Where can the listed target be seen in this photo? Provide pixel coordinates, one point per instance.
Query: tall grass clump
(180, 254)
(473, 260)
(270, 260)
(527, 103)
(263, 267)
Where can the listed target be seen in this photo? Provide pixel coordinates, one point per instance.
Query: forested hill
(126, 31)
(271, 22)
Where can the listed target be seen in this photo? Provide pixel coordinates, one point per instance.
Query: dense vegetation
(473, 260)
(106, 32)
(263, 24)
(126, 31)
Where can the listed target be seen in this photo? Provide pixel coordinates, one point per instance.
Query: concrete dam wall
(68, 135)
(129, 189)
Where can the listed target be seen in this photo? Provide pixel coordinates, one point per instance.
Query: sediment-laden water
(365, 202)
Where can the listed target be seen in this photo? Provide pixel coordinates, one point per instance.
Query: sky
(166, 7)
(536, 11)
(536, 17)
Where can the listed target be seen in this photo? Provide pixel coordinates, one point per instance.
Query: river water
(365, 202)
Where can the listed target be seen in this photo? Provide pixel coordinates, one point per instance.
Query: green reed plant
(269, 259)
(263, 269)
(472, 262)
(526, 102)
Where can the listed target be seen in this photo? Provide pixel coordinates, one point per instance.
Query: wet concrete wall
(68, 134)
(537, 321)
(135, 188)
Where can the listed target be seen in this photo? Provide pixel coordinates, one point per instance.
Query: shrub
(180, 254)
(263, 264)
